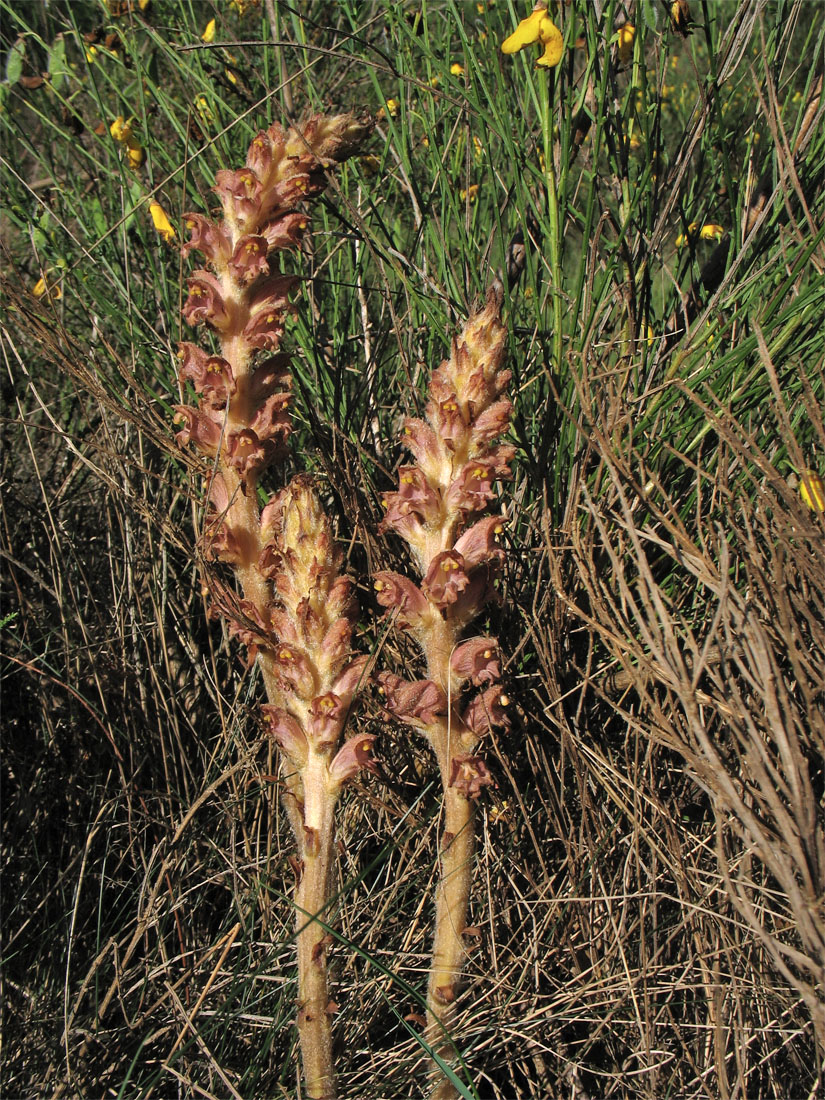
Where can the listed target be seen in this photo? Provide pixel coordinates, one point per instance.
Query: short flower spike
(539, 28)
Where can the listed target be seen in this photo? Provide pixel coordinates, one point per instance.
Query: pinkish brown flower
(240, 195)
(220, 539)
(286, 730)
(493, 421)
(446, 579)
(472, 490)
(198, 426)
(210, 375)
(476, 660)
(326, 719)
(336, 643)
(249, 261)
(480, 542)
(208, 238)
(284, 232)
(246, 452)
(351, 678)
(205, 304)
(296, 671)
(445, 414)
(420, 703)
(355, 755)
(487, 711)
(271, 422)
(421, 439)
(469, 775)
(398, 593)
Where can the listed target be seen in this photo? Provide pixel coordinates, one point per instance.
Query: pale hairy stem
(449, 952)
(311, 903)
(457, 846)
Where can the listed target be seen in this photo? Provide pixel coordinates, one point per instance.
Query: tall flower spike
(437, 510)
(296, 611)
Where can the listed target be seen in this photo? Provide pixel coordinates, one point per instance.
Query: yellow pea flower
(812, 490)
(707, 232)
(457, 70)
(471, 192)
(121, 131)
(161, 222)
(711, 232)
(626, 35)
(680, 17)
(42, 288)
(209, 32)
(203, 109)
(390, 108)
(478, 148)
(537, 27)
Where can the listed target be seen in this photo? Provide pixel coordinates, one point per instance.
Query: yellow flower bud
(812, 490)
(626, 35)
(161, 222)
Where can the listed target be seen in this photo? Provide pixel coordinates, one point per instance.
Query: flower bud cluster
(437, 510)
(312, 618)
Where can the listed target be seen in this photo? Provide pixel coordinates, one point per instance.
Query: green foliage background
(140, 812)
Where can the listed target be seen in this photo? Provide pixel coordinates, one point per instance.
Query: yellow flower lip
(537, 27)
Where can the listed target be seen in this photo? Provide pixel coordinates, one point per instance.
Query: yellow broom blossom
(537, 27)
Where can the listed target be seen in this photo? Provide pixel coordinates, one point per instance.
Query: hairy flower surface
(241, 297)
(437, 511)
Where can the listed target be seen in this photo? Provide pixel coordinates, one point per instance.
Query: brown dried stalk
(296, 611)
(435, 511)
(730, 679)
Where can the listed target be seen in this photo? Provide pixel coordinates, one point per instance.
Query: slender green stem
(546, 94)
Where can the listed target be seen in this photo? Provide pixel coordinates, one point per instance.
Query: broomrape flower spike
(539, 28)
(438, 510)
(295, 610)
